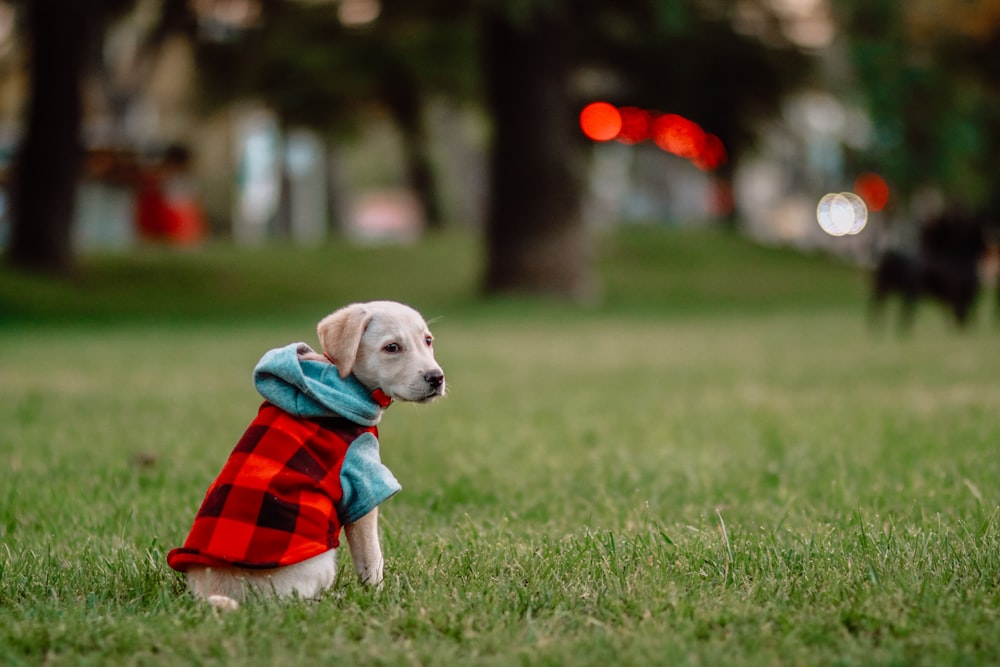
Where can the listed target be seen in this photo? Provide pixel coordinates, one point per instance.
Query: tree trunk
(536, 237)
(406, 103)
(48, 163)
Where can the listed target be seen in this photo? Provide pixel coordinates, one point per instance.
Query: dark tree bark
(536, 238)
(405, 101)
(50, 157)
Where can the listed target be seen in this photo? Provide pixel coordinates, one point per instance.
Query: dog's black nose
(434, 378)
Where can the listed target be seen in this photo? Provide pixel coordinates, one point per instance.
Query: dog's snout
(434, 378)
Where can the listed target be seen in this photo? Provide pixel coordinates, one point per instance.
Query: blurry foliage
(316, 72)
(670, 55)
(678, 58)
(301, 61)
(933, 90)
(532, 65)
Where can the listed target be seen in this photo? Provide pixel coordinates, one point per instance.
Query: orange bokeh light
(713, 153)
(674, 133)
(635, 125)
(873, 189)
(679, 136)
(600, 121)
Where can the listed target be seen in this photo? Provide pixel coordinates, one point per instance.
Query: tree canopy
(929, 77)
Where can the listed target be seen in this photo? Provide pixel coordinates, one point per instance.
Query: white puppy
(246, 538)
(386, 345)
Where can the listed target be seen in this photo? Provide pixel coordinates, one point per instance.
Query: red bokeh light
(713, 154)
(673, 133)
(678, 135)
(600, 121)
(721, 200)
(635, 125)
(873, 189)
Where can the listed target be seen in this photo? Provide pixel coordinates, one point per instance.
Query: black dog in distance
(945, 269)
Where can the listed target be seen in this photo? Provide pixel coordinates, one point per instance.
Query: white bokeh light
(841, 213)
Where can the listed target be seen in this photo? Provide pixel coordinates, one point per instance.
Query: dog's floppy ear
(340, 335)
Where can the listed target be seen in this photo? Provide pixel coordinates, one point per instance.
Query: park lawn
(718, 464)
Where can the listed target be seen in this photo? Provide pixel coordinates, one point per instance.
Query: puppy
(309, 463)
(945, 269)
(953, 283)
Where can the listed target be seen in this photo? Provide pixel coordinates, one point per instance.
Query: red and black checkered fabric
(274, 502)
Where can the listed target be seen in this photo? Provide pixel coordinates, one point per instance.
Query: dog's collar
(381, 398)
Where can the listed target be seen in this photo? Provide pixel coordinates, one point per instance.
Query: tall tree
(662, 54)
(535, 236)
(46, 170)
(49, 158)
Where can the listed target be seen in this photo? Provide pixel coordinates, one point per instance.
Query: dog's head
(387, 346)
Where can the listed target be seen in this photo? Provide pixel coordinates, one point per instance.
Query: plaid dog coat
(292, 481)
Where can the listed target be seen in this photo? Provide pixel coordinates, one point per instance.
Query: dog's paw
(223, 603)
(372, 576)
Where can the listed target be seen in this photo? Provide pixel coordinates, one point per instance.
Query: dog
(309, 463)
(945, 268)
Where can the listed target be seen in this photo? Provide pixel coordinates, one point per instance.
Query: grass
(717, 465)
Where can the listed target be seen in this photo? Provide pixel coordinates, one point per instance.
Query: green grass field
(718, 464)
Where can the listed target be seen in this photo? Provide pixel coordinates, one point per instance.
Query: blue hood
(307, 388)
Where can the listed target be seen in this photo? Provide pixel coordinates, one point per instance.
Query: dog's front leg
(362, 538)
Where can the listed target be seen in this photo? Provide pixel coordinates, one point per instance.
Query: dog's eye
(429, 340)
(392, 348)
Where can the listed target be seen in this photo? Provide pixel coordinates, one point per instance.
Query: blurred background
(184, 122)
